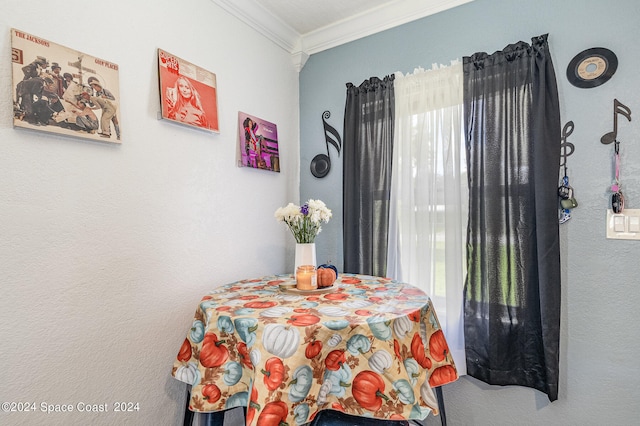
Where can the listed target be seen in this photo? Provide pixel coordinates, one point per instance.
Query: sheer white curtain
(429, 195)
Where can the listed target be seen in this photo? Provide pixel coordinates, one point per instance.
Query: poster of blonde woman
(60, 90)
(188, 93)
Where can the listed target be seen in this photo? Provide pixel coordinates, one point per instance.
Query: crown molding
(301, 46)
(373, 21)
(260, 19)
(299, 59)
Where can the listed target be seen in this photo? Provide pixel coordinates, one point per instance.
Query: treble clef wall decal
(618, 108)
(566, 147)
(321, 163)
(565, 191)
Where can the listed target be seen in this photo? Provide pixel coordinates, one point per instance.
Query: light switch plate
(623, 226)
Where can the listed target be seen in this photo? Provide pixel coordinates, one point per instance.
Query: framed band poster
(188, 93)
(63, 91)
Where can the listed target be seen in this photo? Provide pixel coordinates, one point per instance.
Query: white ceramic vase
(305, 255)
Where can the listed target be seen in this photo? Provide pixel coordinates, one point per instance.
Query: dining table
(365, 346)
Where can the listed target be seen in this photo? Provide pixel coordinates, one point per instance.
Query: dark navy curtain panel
(512, 289)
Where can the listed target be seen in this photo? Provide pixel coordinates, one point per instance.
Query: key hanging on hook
(616, 157)
(617, 199)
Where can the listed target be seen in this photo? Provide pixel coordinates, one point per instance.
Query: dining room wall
(106, 249)
(600, 339)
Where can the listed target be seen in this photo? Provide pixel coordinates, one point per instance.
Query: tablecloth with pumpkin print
(369, 346)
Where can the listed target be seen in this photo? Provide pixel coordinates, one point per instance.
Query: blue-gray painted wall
(600, 335)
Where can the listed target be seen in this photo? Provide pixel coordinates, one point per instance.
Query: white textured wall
(106, 250)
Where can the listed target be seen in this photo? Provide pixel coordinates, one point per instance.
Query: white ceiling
(305, 27)
(306, 16)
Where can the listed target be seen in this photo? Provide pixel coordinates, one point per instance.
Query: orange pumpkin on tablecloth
(442, 376)
(214, 353)
(313, 349)
(243, 352)
(273, 414)
(336, 296)
(417, 350)
(260, 304)
(335, 359)
(368, 390)
(273, 373)
(414, 316)
(303, 320)
(253, 405)
(211, 393)
(438, 346)
(185, 351)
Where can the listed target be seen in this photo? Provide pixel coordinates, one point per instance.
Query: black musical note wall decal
(565, 191)
(321, 163)
(566, 148)
(618, 108)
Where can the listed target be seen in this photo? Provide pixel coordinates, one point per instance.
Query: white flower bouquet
(304, 221)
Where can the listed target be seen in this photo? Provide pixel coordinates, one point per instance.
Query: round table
(367, 346)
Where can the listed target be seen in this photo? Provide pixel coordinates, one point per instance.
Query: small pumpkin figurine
(327, 275)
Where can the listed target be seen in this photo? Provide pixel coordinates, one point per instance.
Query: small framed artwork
(258, 143)
(188, 93)
(60, 90)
